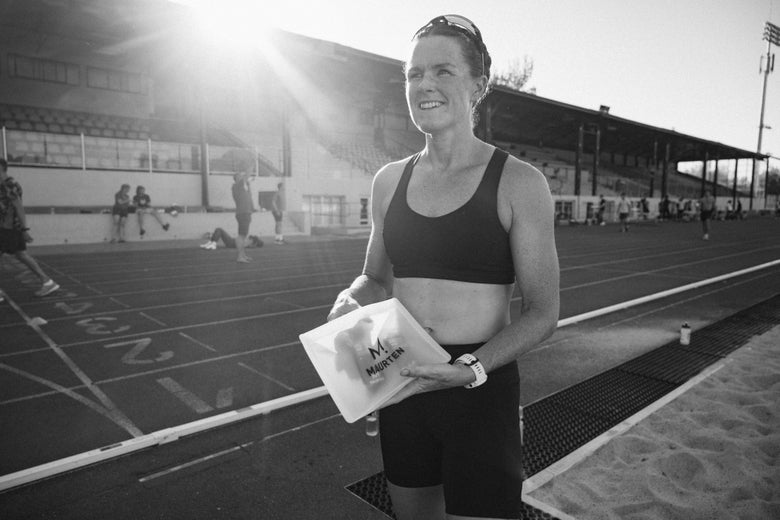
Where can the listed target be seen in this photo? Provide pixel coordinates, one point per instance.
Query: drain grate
(561, 423)
(553, 431)
(613, 396)
(373, 490)
(668, 363)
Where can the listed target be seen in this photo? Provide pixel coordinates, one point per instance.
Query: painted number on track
(133, 356)
(73, 308)
(99, 325)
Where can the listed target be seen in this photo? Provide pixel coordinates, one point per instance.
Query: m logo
(377, 352)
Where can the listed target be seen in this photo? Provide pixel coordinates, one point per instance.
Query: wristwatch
(473, 363)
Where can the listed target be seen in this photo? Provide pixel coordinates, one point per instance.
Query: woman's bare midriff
(455, 312)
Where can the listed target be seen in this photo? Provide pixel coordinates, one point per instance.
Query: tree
(516, 75)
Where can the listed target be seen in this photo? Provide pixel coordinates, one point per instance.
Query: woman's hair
(473, 50)
(138, 189)
(125, 186)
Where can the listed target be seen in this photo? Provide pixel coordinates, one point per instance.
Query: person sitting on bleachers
(142, 203)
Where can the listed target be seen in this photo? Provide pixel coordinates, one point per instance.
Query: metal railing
(23, 147)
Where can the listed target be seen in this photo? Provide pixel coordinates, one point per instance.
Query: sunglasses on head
(462, 25)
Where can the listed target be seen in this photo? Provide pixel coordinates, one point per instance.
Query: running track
(143, 340)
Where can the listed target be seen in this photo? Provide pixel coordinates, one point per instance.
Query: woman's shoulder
(520, 176)
(390, 174)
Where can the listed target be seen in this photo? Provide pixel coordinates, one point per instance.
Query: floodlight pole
(771, 36)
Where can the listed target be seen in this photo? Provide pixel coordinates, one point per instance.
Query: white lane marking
(228, 451)
(266, 376)
(121, 304)
(114, 412)
(204, 345)
(663, 294)
(157, 438)
(161, 370)
(208, 324)
(155, 320)
(59, 389)
(195, 403)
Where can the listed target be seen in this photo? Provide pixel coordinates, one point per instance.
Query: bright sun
(239, 25)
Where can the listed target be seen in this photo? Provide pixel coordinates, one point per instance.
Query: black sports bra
(467, 245)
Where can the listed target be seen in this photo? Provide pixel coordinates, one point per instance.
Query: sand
(711, 454)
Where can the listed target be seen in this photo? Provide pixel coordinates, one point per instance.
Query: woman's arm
(375, 282)
(536, 269)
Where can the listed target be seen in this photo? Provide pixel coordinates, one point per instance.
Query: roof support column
(578, 160)
(734, 189)
(715, 180)
(704, 173)
(665, 172)
(596, 155)
(654, 169)
(752, 182)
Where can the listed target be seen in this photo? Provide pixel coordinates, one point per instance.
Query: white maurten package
(359, 356)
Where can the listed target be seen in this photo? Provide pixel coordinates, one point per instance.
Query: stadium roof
(115, 27)
(528, 118)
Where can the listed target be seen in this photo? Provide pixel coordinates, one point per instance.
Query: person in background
(602, 209)
(14, 233)
(142, 203)
(624, 211)
(729, 210)
(242, 196)
(220, 234)
(277, 209)
(706, 211)
(455, 229)
(119, 213)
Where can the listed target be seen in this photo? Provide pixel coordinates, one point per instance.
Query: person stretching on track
(14, 233)
(230, 242)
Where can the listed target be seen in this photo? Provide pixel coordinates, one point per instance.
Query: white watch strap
(473, 363)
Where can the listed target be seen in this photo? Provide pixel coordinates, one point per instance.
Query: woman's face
(440, 90)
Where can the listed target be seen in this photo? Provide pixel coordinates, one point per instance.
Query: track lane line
(174, 433)
(116, 415)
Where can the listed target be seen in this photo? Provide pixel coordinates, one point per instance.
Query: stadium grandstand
(98, 93)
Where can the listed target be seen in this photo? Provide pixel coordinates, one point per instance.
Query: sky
(687, 65)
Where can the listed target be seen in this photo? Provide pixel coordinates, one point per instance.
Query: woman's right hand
(344, 304)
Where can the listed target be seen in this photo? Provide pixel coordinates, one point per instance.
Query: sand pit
(711, 454)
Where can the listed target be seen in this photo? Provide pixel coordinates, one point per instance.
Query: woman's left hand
(428, 378)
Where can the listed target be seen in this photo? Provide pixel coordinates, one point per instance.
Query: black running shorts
(12, 241)
(467, 440)
(244, 219)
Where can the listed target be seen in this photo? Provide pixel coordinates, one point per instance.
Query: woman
(242, 196)
(143, 204)
(119, 213)
(454, 228)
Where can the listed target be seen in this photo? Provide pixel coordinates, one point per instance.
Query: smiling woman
(455, 228)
